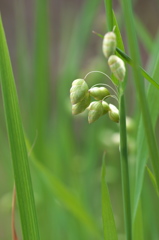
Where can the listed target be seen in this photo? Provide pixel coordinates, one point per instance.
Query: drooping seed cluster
(81, 96)
(115, 63)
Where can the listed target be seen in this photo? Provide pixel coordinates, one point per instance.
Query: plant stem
(123, 141)
(125, 169)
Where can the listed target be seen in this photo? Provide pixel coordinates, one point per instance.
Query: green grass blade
(118, 34)
(138, 230)
(109, 14)
(153, 180)
(140, 88)
(41, 75)
(110, 232)
(17, 145)
(142, 152)
(66, 197)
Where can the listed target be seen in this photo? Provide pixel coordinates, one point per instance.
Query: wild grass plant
(76, 180)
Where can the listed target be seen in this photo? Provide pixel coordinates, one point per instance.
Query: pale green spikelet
(113, 113)
(78, 90)
(105, 107)
(117, 67)
(82, 105)
(109, 44)
(95, 111)
(99, 92)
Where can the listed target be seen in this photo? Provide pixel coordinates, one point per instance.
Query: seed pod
(95, 111)
(113, 113)
(109, 44)
(78, 90)
(105, 107)
(82, 105)
(99, 92)
(117, 67)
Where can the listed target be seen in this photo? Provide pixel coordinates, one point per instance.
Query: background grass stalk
(109, 14)
(17, 144)
(134, 51)
(41, 75)
(123, 142)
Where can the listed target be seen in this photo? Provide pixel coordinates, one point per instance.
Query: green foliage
(142, 153)
(17, 144)
(146, 117)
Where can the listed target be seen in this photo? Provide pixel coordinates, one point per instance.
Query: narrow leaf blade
(17, 144)
(153, 180)
(142, 152)
(138, 231)
(110, 232)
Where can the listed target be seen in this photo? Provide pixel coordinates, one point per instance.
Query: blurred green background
(51, 43)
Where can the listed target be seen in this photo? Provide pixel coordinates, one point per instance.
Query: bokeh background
(51, 43)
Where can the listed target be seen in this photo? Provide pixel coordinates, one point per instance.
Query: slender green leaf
(17, 145)
(153, 180)
(110, 232)
(140, 88)
(41, 75)
(118, 34)
(138, 231)
(142, 153)
(109, 14)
